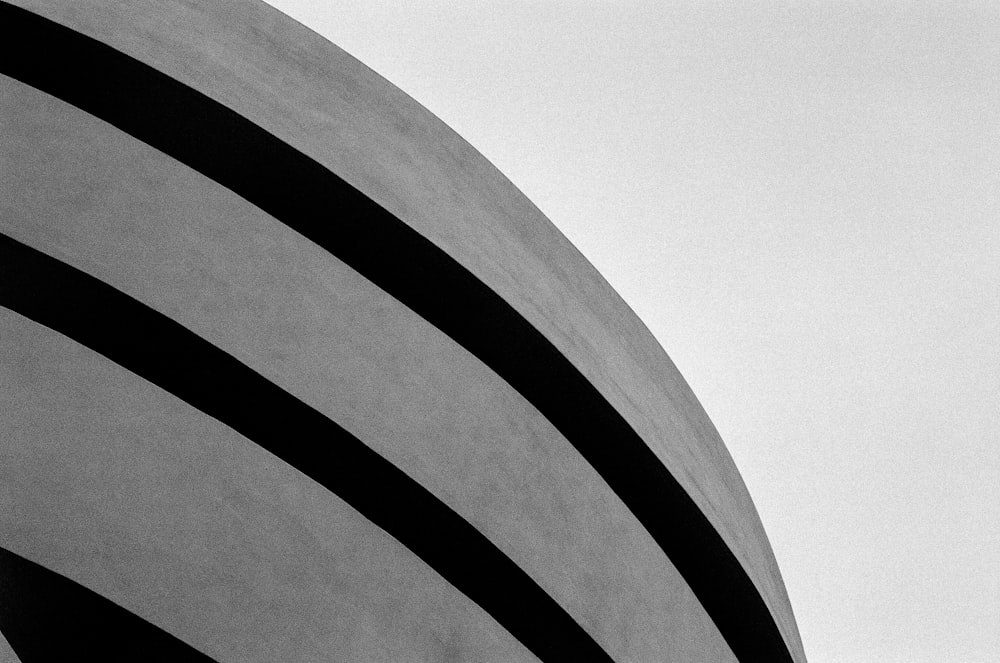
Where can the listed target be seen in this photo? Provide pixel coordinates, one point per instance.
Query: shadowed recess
(47, 617)
(174, 358)
(315, 202)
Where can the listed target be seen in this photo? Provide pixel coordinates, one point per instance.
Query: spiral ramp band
(290, 372)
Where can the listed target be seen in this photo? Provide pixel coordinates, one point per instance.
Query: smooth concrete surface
(131, 492)
(188, 247)
(310, 94)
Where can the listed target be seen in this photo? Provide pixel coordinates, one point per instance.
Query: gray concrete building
(289, 372)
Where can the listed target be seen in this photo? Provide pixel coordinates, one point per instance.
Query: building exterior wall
(117, 483)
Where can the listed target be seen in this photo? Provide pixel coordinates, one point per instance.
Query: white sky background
(802, 202)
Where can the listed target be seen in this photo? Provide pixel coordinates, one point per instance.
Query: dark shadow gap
(47, 617)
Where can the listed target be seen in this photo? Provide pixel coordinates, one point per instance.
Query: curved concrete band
(346, 339)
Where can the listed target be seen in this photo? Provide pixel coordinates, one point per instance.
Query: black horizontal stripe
(307, 197)
(47, 617)
(176, 359)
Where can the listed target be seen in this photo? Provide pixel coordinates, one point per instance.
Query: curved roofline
(585, 365)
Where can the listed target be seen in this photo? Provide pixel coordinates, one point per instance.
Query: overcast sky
(802, 202)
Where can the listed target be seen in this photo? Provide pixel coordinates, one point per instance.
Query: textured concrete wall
(130, 491)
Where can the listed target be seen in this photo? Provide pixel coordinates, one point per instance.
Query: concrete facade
(391, 285)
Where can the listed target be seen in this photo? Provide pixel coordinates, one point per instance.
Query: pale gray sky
(802, 202)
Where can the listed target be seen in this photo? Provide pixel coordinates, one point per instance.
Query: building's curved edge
(718, 566)
(529, 331)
